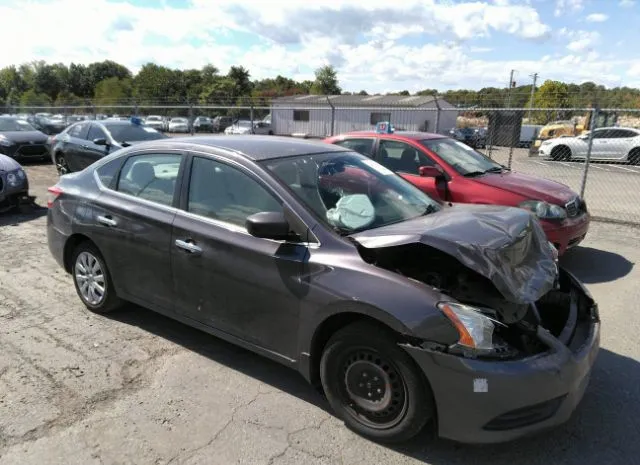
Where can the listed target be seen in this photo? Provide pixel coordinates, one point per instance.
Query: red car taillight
(53, 193)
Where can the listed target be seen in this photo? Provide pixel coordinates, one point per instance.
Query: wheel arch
(70, 245)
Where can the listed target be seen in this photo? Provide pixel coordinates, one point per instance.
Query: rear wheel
(61, 164)
(373, 385)
(562, 152)
(92, 279)
(634, 156)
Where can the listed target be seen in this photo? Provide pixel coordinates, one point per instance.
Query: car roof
(413, 135)
(253, 147)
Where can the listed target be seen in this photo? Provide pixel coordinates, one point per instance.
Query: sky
(376, 45)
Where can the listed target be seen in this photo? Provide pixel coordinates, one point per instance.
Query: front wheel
(561, 153)
(61, 164)
(373, 385)
(634, 156)
(92, 280)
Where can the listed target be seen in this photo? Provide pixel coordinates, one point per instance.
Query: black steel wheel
(373, 385)
(561, 152)
(61, 164)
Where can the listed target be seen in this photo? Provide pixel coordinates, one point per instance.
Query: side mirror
(268, 225)
(430, 171)
(100, 141)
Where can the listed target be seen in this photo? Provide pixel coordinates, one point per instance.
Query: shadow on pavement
(595, 265)
(603, 430)
(23, 214)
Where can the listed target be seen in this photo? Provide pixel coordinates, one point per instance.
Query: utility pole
(511, 86)
(533, 91)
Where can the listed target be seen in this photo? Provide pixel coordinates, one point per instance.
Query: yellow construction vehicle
(572, 128)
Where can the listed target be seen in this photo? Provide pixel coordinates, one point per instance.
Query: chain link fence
(595, 151)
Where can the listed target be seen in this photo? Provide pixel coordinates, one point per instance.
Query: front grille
(32, 150)
(525, 416)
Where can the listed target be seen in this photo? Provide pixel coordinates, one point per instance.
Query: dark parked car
(86, 142)
(14, 185)
(20, 140)
(48, 124)
(402, 309)
(470, 136)
(203, 124)
(220, 123)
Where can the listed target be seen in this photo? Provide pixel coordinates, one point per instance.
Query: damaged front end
(499, 272)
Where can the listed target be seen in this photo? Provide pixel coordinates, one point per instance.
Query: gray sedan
(402, 310)
(14, 185)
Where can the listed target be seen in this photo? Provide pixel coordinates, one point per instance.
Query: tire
(61, 164)
(634, 156)
(271, 133)
(85, 256)
(403, 402)
(561, 152)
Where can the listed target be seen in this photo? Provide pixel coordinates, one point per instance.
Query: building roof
(254, 147)
(357, 100)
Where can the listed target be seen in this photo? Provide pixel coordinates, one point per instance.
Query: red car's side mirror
(430, 171)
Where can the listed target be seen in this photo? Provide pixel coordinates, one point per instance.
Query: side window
(218, 191)
(601, 133)
(96, 132)
(151, 177)
(621, 134)
(362, 146)
(402, 157)
(301, 115)
(108, 172)
(78, 130)
(376, 118)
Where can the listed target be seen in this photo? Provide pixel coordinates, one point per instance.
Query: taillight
(53, 193)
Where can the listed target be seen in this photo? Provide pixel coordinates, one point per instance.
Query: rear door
(617, 144)
(71, 145)
(132, 221)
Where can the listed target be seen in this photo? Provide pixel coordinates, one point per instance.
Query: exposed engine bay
(557, 311)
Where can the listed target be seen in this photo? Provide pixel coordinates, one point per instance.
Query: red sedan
(451, 171)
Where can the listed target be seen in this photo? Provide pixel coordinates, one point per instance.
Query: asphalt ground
(138, 388)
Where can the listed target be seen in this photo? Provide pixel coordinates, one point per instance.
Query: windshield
(132, 133)
(351, 192)
(154, 118)
(243, 123)
(10, 124)
(178, 120)
(461, 157)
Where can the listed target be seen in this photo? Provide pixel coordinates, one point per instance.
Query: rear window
(131, 133)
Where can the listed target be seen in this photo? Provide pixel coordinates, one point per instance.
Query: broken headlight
(544, 210)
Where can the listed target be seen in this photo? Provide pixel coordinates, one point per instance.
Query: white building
(322, 115)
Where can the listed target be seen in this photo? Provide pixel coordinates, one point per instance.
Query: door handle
(85, 146)
(188, 246)
(107, 221)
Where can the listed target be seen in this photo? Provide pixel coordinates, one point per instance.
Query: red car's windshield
(461, 157)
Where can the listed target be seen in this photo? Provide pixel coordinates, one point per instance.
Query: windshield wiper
(428, 210)
(472, 174)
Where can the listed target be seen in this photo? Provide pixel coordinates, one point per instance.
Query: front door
(132, 225)
(405, 160)
(72, 142)
(226, 278)
(89, 152)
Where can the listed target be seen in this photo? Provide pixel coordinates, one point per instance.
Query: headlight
(475, 329)
(12, 179)
(21, 174)
(544, 210)
(5, 142)
(546, 142)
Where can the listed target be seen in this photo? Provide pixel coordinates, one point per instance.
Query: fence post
(191, 118)
(251, 116)
(437, 128)
(592, 126)
(333, 116)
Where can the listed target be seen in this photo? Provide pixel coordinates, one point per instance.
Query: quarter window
(223, 193)
(151, 177)
(301, 115)
(78, 130)
(109, 171)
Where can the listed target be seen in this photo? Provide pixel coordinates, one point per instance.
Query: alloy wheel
(90, 278)
(61, 165)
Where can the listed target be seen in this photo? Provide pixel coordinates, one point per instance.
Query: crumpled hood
(529, 186)
(25, 136)
(8, 163)
(505, 245)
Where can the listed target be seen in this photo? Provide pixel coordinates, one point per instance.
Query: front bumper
(568, 233)
(481, 401)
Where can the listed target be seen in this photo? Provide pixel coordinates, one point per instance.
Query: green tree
(326, 82)
(99, 71)
(31, 98)
(241, 79)
(157, 84)
(112, 91)
(551, 94)
(80, 81)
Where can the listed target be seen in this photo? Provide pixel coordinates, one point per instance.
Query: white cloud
(567, 7)
(597, 18)
(627, 3)
(580, 41)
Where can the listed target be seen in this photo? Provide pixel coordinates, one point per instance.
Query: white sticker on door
(480, 385)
